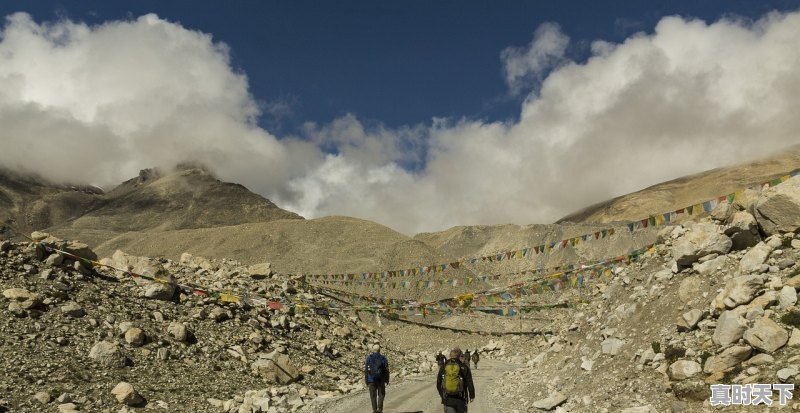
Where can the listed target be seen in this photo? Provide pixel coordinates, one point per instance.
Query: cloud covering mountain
(94, 104)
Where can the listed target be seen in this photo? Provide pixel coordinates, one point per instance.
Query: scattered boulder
(612, 346)
(107, 354)
(684, 369)
(260, 271)
(766, 335)
(551, 402)
(126, 394)
(135, 337)
(778, 208)
(730, 328)
(178, 331)
(275, 368)
(24, 298)
(73, 309)
(743, 231)
(739, 290)
(703, 239)
(753, 259)
(729, 357)
(164, 289)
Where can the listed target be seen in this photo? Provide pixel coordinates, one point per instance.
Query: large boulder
(778, 208)
(738, 291)
(743, 231)
(752, 260)
(275, 368)
(730, 328)
(766, 335)
(730, 357)
(703, 239)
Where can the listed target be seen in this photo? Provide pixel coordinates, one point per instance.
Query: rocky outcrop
(702, 239)
(778, 208)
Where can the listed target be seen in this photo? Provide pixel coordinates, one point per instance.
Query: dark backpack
(375, 367)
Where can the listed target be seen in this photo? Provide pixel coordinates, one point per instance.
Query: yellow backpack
(453, 383)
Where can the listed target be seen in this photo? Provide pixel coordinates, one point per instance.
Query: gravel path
(418, 395)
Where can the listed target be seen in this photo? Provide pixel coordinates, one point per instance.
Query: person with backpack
(467, 357)
(376, 375)
(454, 383)
(475, 358)
(440, 359)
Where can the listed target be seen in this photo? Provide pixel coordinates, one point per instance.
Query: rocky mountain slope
(75, 339)
(688, 190)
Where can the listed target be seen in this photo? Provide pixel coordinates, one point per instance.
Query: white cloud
(96, 104)
(526, 65)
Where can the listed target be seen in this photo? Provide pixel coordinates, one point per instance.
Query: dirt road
(419, 395)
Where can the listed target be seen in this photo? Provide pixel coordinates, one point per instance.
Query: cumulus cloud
(96, 104)
(524, 66)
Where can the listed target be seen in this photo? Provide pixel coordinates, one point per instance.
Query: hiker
(475, 358)
(454, 383)
(440, 359)
(467, 357)
(376, 375)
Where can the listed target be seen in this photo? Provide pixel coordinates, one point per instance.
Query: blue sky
(397, 63)
(419, 115)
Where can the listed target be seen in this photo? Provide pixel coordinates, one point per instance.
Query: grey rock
(550, 402)
(684, 369)
(126, 394)
(612, 346)
(766, 335)
(275, 367)
(135, 337)
(743, 231)
(778, 208)
(739, 290)
(178, 331)
(787, 297)
(73, 309)
(107, 354)
(703, 239)
(787, 373)
(162, 291)
(730, 328)
(729, 357)
(753, 259)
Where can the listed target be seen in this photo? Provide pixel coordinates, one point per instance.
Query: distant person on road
(440, 359)
(376, 375)
(454, 383)
(475, 358)
(467, 357)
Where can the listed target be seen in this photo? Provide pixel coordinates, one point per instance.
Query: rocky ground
(79, 340)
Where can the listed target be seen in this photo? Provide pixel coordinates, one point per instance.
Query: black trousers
(377, 391)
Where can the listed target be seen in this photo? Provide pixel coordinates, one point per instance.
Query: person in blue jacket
(376, 376)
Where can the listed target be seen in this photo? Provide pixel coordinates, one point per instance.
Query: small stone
(785, 374)
(178, 331)
(42, 397)
(135, 337)
(73, 309)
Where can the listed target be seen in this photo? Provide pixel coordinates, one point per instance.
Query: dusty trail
(418, 395)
